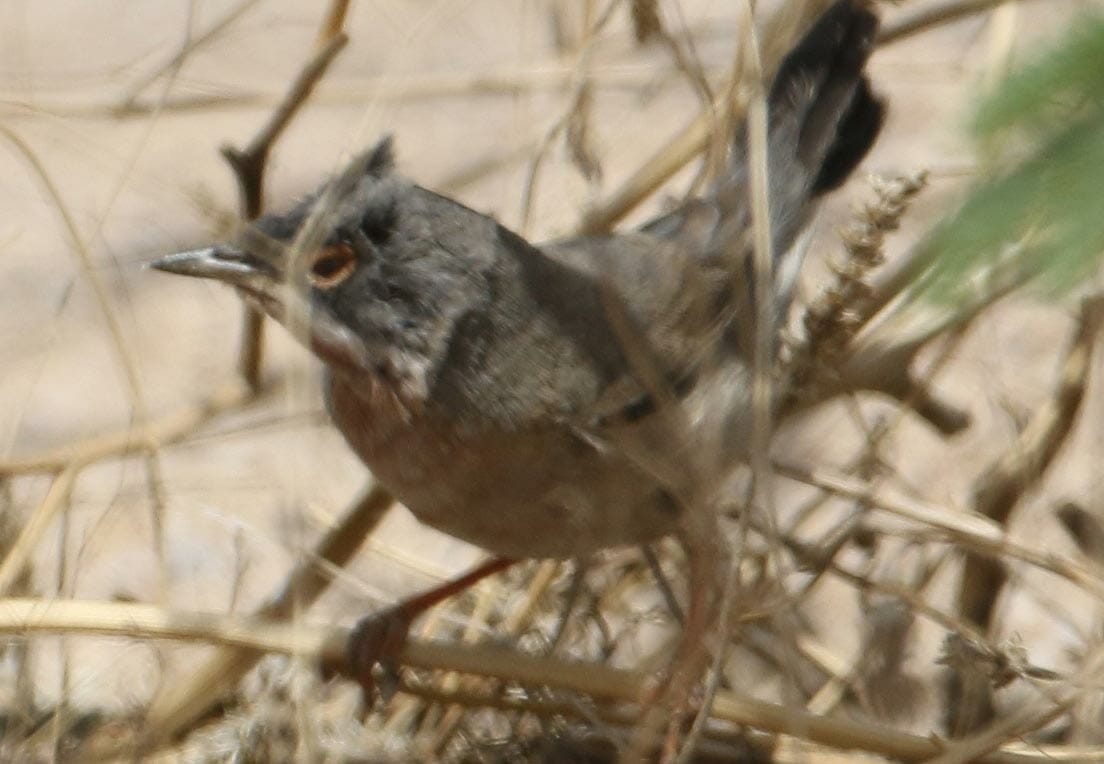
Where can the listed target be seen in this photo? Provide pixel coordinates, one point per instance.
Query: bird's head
(361, 271)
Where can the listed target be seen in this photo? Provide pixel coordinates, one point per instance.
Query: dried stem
(962, 527)
(249, 164)
(326, 645)
(780, 32)
(1000, 490)
(574, 116)
(144, 436)
(176, 711)
(128, 105)
(249, 168)
(1003, 731)
(835, 314)
(935, 15)
(18, 556)
(1084, 528)
(180, 706)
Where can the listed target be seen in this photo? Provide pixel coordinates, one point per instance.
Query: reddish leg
(378, 638)
(666, 707)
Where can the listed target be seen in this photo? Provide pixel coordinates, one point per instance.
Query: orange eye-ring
(332, 265)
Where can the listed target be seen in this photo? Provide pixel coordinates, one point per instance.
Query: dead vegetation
(905, 596)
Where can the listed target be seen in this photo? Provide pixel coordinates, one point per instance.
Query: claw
(373, 646)
(377, 640)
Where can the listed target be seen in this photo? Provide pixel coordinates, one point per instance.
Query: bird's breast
(539, 491)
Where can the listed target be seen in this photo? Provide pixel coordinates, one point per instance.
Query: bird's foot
(377, 640)
(373, 647)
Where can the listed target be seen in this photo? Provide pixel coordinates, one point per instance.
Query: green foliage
(1039, 216)
(1043, 94)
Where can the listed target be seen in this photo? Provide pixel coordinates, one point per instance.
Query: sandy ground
(250, 489)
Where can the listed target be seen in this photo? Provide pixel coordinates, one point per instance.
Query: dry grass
(914, 580)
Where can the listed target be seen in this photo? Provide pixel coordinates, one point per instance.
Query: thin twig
(692, 140)
(1002, 487)
(127, 103)
(934, 16)
(333, 24)
(182, 704)
(326, 645)
(552, 74)
(143, 436)
(15, 561)
(1013, 727)
(510, 629)
(249, 167)
(578, 87)
(249, 163)
(962, 527)
(954, 520)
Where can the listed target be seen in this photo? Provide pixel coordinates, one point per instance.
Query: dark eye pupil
(327, 267)
(332, 265)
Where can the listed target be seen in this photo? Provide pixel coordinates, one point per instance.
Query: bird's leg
(668, 704)
(378, 638)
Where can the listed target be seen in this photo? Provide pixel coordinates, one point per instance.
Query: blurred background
(124, 105)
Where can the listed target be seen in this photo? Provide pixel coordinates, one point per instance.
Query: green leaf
(1037, 220)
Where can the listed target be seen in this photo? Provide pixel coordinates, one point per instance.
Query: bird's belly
(532, 495)
(541, 492)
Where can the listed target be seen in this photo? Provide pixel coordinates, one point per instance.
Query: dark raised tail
(822, 120)
(821, 101)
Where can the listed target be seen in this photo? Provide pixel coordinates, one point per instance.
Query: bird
(517, 395)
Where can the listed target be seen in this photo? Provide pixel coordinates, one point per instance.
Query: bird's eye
(332, 265)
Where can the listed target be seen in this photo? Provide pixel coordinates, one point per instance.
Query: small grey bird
(513, 394)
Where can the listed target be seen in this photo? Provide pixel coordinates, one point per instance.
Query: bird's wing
(660, 307)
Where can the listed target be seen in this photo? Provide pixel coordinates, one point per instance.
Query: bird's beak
(255, 278)
(220, 262)
(261, 283)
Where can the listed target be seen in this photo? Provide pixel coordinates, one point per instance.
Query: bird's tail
(822, 116)
(822, 120)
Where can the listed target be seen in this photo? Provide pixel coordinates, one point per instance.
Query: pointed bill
(219, 262)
